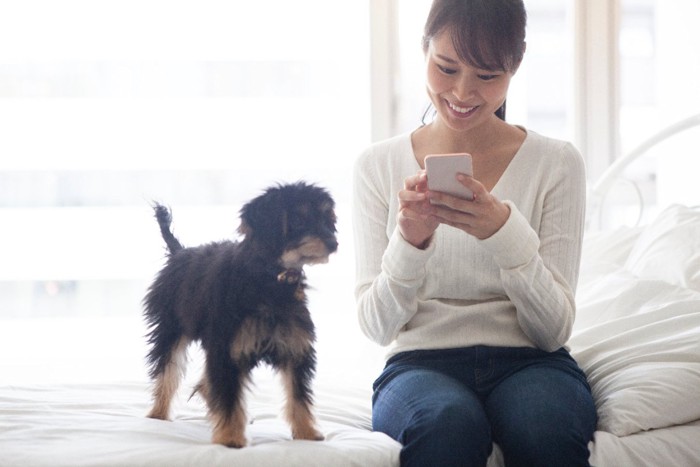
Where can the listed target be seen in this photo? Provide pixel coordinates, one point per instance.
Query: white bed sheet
(105, 425)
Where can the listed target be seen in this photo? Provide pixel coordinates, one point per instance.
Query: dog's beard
(311, 250)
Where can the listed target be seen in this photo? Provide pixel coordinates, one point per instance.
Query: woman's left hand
(481, 216)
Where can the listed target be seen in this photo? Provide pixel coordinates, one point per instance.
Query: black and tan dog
(245, 303)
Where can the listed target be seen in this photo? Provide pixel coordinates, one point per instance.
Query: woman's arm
(389, 270)
(539, 270)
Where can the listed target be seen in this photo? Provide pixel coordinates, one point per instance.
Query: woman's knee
(443, 424)
(543, 419)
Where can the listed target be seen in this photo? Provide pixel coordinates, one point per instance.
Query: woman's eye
(447, 71)
(487, 77)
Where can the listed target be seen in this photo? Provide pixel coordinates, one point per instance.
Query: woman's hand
(416, 219)
(481, 216)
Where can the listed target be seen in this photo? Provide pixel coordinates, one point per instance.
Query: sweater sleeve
(539, 269)
(389, 271)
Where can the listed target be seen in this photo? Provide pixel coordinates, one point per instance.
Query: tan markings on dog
(230, 430)
(169, 380)
(256, 336)
(312, 250)
(298, 413)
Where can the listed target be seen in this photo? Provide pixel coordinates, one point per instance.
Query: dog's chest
(273, 335)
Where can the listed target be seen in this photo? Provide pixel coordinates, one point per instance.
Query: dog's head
(296, 222)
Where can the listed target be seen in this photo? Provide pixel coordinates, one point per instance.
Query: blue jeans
(447, 407)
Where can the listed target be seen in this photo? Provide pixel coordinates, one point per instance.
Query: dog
(245, 303)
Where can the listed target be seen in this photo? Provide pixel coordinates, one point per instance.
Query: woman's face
(463, 96)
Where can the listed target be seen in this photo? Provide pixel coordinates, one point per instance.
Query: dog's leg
(224, 385)
(297, 383)
(167, 379)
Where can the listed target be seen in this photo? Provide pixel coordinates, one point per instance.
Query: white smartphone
(442, 170)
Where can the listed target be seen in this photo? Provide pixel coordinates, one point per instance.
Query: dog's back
(164, 219)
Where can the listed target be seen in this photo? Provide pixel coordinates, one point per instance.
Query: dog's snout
(331, 244)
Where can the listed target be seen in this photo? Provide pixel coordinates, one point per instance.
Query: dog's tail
(164, 220)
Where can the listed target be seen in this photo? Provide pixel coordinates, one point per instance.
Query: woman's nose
(464, 88)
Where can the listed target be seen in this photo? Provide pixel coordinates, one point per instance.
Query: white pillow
(647, 396)
(668, 249)
(640, 349)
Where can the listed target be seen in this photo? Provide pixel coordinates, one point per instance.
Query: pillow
(648, 396)
(640, 349)
(668, 249)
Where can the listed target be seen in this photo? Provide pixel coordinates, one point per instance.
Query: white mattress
(105, 425)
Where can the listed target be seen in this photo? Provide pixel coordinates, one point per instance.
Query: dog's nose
(331, 244)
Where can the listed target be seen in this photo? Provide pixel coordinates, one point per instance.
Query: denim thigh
(447, 406)
(438, 420)
(543, 413)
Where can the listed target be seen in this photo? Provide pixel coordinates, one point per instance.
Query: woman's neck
(487, 138)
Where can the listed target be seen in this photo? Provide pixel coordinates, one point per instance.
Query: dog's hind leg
(297, 383)
(224, 386)
(167, 372)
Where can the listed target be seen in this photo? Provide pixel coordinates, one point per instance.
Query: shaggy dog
(245, 303)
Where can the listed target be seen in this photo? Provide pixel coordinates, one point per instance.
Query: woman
(475, 296)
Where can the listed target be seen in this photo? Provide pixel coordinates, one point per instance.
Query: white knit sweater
(513, 289)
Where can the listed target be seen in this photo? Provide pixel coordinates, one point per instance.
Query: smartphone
(442, 170)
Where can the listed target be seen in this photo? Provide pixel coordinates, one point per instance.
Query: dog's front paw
(310, 434)
(230, 441)
(158, 414)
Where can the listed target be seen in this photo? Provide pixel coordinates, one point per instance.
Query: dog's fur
(245, 303)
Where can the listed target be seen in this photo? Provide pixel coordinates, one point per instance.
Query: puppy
(245, 303)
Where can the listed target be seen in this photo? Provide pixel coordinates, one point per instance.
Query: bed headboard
(599, 202)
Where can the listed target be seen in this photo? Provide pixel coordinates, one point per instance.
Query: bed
(637, 336)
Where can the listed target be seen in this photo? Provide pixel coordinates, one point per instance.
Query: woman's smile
(461, 112)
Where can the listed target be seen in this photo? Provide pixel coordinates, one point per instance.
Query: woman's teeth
(462, 110)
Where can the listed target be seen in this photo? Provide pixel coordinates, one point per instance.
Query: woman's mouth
(462, 111)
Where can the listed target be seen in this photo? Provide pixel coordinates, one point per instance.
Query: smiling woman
(107, 106)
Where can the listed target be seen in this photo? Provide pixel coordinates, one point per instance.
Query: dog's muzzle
(331, 244)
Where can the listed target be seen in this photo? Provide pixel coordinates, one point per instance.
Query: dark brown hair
(487, 34)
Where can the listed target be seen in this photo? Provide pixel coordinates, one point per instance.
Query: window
(658, 83)
(657, 90)
(107, 106)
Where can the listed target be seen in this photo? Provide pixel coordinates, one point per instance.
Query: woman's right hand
(415, 219)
